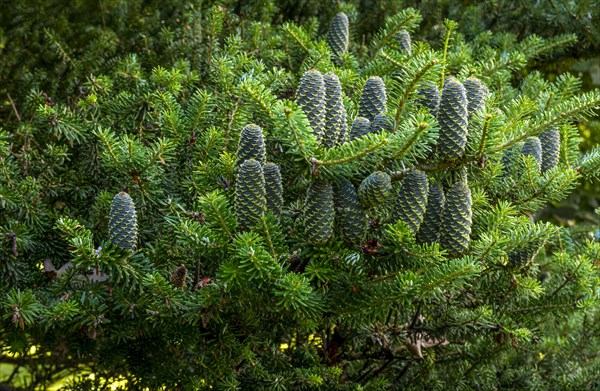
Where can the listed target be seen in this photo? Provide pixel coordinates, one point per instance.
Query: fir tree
(251, 250)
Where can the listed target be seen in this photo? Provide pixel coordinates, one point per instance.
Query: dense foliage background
(153, 96)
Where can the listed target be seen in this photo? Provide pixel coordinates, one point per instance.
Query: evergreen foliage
(242, 255)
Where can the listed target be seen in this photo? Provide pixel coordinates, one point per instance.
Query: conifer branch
(486, 127)
(423, 126)
(288, 29)
(407, 18)
(450, 26)
(409, 88)
(572, 108)
(351, 158)
(299, 142)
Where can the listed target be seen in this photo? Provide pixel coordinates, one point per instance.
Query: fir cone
(373, 98)
(452, 117)
(122, 224)
(550, 140)
(403, 38)
(510, 159)
(251, 145)
(179, 276)
(533, 147)
(374, 189)
(455, 228)
(524, 254)
(429, 231)
(412, 199)
(350, 217)
(335, 112)
(273, 188)
(338, 35)
(382, 122)
(429, 96)
(476, 94)
(319, 215)
(360, 127)
(454, 175)
(250, 200)
(311, 98)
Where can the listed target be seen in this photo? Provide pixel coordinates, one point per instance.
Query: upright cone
(179, 276)
(382, 122)
(122, 223)
(351, 218)
(455, 229)
(360, 127)
(411, 202)
(550, 140)
(524, 253)
(429, 230)
(403, 38)
(250, 193)
(511, 158)
(373, 98)
(273, 188)
(311, 98)
(335, 112)
(374, 189)
(429, 96)
(476, 94)
(338, 35)
(453, 120)
(533, 147)
(251, 145)
(319, 215)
